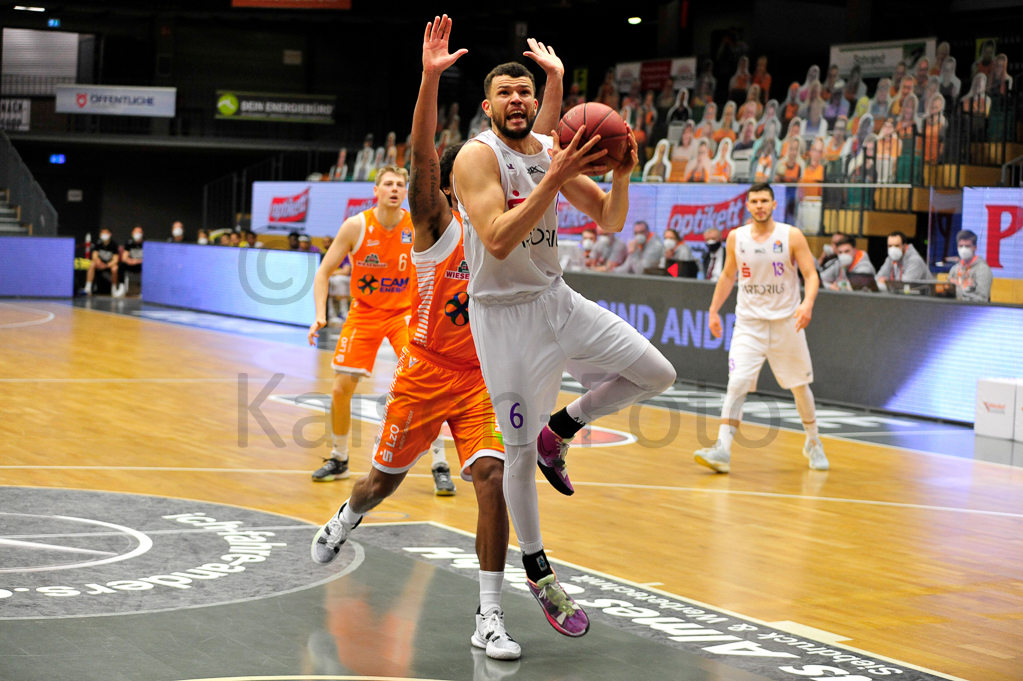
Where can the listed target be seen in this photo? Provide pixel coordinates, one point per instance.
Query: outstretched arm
(550, 110)
(429, 207)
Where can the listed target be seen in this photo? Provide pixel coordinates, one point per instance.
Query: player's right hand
(314, 328)
(575, 160)
(714, 322)
(435, 46)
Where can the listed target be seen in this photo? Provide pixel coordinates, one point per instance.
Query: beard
(515, 134)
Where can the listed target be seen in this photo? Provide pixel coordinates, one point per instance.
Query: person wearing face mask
(971, 275)
(675, 250)
(713, 258)
(202, 238)
(848, 260)
(608, 253)
(578, 258)
(904, 264)
(829, 252)
(177, 233)
(645, 250)
(104, 259)
(130, 259)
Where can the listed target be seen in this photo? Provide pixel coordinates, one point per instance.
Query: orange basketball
(599, 119)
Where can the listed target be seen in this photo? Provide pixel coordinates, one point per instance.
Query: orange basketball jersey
(380, 263)
(440, 302)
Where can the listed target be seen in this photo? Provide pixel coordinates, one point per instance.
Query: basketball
(599, 119)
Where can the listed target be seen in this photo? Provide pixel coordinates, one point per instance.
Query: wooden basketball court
(906, 556)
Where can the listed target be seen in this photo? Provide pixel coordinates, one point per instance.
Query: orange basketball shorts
(361, 336)
(423, 396)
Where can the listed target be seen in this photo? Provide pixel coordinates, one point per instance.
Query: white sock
(347, 514)
(340, 451)
(726, 433)
(438, 453)
(811, 432)
(490, 591)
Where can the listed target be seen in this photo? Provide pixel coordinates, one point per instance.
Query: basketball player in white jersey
(770, 322)
(527, 324)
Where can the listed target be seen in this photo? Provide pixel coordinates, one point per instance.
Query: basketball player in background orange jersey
(379, 244)
(438, 376)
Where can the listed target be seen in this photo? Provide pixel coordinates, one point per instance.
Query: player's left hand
(631, 159)
(545, 57)
(435, 46)
(802, 316)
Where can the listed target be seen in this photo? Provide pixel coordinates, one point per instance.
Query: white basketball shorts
(777, 341)
(523, 349)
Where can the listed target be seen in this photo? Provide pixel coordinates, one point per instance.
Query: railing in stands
(1012, 173)
(37, 213)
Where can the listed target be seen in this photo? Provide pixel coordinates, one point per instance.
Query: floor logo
(72, 553)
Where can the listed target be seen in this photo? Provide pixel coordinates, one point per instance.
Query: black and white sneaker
(490, 635)
(443, 485)
(331, 537)
(332, 469)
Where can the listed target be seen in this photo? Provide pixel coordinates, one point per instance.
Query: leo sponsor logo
(371, 260)
(691, 221)
(291, 209)
(994, 408)
(462, 273)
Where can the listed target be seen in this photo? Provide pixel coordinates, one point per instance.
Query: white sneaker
(330, 538)
(814, 451)
(490, 634)
(118, 291)
(716, 458)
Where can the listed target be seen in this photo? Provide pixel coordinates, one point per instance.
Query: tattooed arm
(431, 213)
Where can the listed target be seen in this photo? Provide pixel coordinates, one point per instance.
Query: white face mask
(965, 252)
(177, 231)
(604, 239)
(202, 241)
(587, 244)
(137, 236)
(845, 259)
(640, 239)
(895, 253)
(670, 244)
(104, 238)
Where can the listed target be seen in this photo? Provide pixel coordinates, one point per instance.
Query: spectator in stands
(790, 169)
(940, 55)
(709, 124)
(739, 84)
(855, 143)
(684, 153)
(862, 108)
(722, 167)
(930, 92)
(986, 62)
(252, 241)
(706, 85)
(726, 129)
(700, 170)
(680, 112)
(666, 98)
(905, 92)
(224, 239)
(177, 233)
(658, 169)
(971, 275)
(832, 84)
(934, 130)
(837, 106)
(580, 256)
(648, 116)
(880, 103)
(609, 252)
(863, 168)
(235, 238)
(854, 88)
(762, 78)
(714, 257)
(813, 173)
(753, 108)
(795, 127)
(762, 165)
(644, 250)
(813, 75)
(948, 84)
(813, 97)
(305, 244)
(836, 141)
(904, 264)
(790, 107)
(747, 136)
(675, 250)
(889, 149)
(607, 93)
(976, 101)
(105, 254)
(339, 171)
(999, 82)
(769, 139)
(896, 80)
(202, 237)
(848, 260)
(770, 114)
(339, 289)
(923, 72)
(814, 126)
(478, 124)
(293, 241)
(363, 161)
(129, 260)
(828, 253)
(905, 126)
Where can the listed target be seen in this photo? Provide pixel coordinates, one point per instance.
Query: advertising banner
(15, 114)
(117, 100)
(313, 208)
(37, 266)
(878, 60)
(651, 74)
(261, 106)
(996, 216)
(294, 4)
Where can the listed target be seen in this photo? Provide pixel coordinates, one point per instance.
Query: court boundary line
(636, 486)
(35, 322)
(685, 599)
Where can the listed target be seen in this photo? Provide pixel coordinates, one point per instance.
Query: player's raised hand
(545, 57)
(435, 46)
(575, 159)
(802, 316)
(314, 329)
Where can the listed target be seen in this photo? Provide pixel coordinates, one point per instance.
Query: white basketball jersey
(533, 265)
(768, 278)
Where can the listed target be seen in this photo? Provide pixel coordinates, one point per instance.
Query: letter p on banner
(996, 233)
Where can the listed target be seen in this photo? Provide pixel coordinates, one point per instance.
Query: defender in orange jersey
(378, 242)
(438, 377)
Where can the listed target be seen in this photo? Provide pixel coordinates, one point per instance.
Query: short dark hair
(901, 235)
(761, 187)
(512, 69)
(966, 235)
(447, 162)
(847, 239)
(294, 234)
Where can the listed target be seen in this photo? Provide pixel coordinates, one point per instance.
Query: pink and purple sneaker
(550, 455)
(562, 612)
